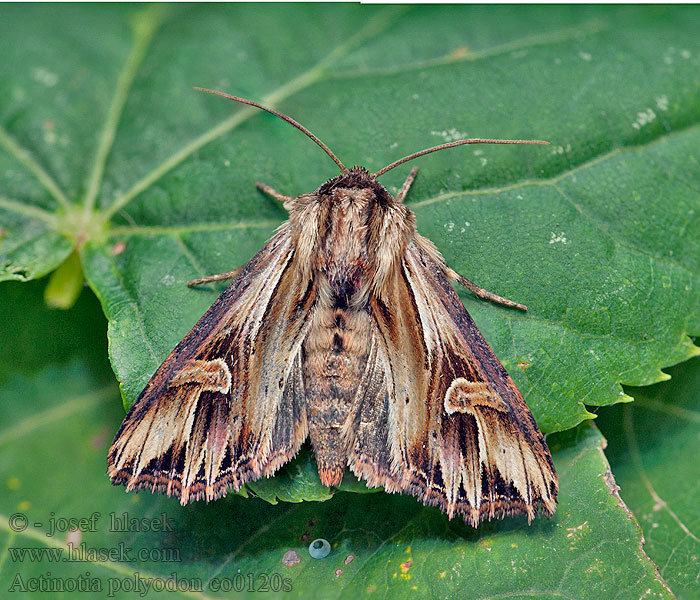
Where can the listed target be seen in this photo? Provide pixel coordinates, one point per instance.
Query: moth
(345, 329)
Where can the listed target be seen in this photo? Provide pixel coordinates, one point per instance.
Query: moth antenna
(289, 120)
(451, 145)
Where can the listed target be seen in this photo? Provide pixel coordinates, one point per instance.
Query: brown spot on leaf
(348, 559)
(523, 365)
(305, 536)
(73, 537)
(459, 52)
(406, 566)
(338, 572)
(291, 558)
(118, 248)
(611, 484)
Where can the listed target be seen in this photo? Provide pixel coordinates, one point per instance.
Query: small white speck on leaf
(557, 238)
(685, 54)
(561, 149)
(50, 137)
(644, 118)
(450, 135)
(585, 56)
(662, 102)
(42, 75)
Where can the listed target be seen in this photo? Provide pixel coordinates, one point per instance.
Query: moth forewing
(191, 438)
(344, 328)
(459, 433)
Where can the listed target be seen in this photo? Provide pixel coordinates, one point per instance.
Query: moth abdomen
(334, 358)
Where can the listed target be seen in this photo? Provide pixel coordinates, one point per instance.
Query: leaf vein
(532, 41)
(55, 413)
(175, 230)
(24, 156)
(144, 27)
(628, 426)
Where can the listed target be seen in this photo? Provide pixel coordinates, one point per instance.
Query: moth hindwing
(344, 329)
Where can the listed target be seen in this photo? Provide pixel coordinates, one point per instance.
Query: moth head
(361, 171)
(358, 183)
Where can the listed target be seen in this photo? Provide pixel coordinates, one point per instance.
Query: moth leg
(219, 277)
(266, 189)
(406, 185)
(481, 292)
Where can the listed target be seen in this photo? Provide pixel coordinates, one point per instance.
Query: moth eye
(406, 399)
(319, 548)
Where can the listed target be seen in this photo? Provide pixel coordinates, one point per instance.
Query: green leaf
(53, 469)
(653, 445)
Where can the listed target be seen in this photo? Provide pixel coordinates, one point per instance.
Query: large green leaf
(653, 445)
(108, 150)
(52, 467)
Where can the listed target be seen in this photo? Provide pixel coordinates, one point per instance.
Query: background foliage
(111, 166)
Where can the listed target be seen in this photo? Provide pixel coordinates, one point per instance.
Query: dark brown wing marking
(207, 419)
(442, 420)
